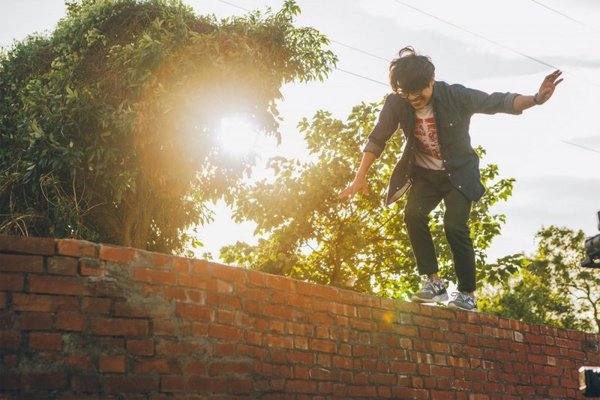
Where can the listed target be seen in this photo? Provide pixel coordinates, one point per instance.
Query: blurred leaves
(548, 287)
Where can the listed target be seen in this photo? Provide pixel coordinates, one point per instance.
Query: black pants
(428, 189)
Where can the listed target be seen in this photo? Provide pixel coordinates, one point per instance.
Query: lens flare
(237, 135)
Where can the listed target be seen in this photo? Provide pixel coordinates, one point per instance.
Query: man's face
(418, 99)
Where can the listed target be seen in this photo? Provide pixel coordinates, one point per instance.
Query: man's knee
(414, 215)
(455, 228)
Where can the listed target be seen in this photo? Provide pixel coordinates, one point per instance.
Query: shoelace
(464, 297)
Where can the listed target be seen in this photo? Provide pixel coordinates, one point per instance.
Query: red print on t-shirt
(427, 139)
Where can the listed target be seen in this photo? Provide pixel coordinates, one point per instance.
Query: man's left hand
(548, 85)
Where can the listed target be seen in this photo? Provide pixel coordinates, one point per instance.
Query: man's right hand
(357, 185)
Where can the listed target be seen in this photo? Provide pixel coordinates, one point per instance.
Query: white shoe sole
(436, 299)
(455, 307)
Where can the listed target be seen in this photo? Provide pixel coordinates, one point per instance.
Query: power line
(554, 10)
(581, 146)
(361, 51)
(234, 5)
(362, 76)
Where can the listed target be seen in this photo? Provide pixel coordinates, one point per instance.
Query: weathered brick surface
(80, 320)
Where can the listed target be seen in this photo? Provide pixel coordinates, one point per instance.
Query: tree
(309, 234)
(549, 287)
(108, 126)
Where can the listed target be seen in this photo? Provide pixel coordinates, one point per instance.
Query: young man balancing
(438, 163)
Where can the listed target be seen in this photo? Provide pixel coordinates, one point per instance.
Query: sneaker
(463, 301)
(431, 291)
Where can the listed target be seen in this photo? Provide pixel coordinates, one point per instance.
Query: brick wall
(80, 320)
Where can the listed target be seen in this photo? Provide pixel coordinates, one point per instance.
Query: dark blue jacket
(453, 106)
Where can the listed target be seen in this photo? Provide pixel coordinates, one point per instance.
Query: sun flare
(237, 135)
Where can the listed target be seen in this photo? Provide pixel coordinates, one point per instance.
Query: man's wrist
(536, 100)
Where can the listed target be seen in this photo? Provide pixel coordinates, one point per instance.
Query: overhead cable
(554, 10)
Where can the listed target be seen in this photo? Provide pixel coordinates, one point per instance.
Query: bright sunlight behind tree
(96, 137)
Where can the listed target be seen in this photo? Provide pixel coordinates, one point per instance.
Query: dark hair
(410, 71)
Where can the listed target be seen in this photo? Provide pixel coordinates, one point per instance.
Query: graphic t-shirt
(428, 154)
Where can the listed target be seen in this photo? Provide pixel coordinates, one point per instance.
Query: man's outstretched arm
(544, 93)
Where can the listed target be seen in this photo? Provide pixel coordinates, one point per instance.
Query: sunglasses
(411, 94)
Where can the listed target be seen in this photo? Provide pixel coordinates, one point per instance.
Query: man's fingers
(345, 194)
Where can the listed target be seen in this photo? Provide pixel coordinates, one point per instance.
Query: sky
(553, 151)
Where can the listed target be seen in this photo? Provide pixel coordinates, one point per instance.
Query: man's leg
(422, 198)
(456, 219)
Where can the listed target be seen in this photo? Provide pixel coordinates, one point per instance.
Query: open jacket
(453, 106)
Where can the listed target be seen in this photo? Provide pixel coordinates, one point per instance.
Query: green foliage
(548, 287)
(108, 126)
(309, 234)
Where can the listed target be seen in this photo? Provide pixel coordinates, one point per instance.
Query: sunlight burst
(237, 135)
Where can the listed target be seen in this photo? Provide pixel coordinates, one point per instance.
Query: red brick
(35, 321)
(62, 265)
(220, 385)
(181, 264)
(45, 341)
(145, 310)
(27, 245)
(153, 276)
(165, 327)
(229, 273)
(9, 380)
(123, 255)
(142, 347)
(58, 285)
(194, 312)
(225, 332)
(111, 363)
(193, 281)
(162, 261)
(10, 340)
(172, 383)
(362, 391)
(175, 293)
(79, 361)
(281, 283)
(44, 381)
(19, 263)
(201, 267)
(325, 346)
(158, 365)
(76, 248)
(74, 322)
(91, 267)
(313, 290)
(95, 305)
(182, 347)
(8, 320)
(11, 282)
(42, 303)
(130, 384)
(85, 383)
(119, 327)
(279, 311)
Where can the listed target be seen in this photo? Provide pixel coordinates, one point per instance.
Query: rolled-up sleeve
(477, 101)
(386, 125)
